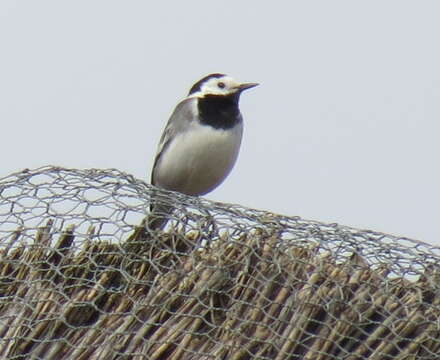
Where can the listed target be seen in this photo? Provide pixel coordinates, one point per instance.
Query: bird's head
(219, 85)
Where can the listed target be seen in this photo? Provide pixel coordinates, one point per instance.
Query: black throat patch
(219, 111)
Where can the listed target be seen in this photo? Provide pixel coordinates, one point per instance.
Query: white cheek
(215, 90)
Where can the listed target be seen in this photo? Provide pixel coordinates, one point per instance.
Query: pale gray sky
(344, 127)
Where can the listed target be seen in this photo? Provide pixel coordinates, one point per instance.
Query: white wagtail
(201, 140)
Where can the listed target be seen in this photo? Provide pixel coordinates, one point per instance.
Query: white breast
(198, 160)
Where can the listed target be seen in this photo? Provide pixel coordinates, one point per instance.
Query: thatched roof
(169, 299)
(262, 287)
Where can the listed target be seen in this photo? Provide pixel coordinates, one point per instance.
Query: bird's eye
(221, 85)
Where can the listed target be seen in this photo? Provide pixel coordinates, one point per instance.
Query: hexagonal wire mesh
(83, 276)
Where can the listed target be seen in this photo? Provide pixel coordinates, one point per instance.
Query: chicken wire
(83, 276)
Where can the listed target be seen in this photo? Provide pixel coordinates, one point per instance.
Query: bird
(201, 141)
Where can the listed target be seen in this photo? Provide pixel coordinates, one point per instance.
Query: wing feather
(178, 122)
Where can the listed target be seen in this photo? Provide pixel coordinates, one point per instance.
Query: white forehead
(211, 86)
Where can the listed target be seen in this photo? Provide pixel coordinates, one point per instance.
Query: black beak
(246, 86)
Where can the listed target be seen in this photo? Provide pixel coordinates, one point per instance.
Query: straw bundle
(165, 297)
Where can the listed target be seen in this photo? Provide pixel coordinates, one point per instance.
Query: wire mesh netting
(83, 276)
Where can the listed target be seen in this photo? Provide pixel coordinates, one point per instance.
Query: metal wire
(83, 276)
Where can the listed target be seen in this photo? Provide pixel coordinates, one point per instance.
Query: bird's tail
(160, 212)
